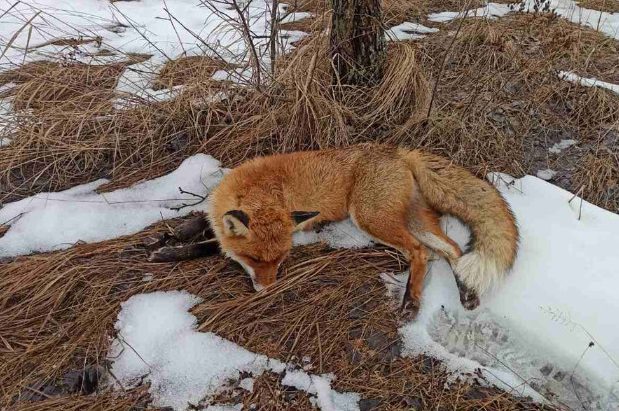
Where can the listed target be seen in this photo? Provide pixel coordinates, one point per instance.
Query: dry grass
(67, 132)
(188, 70)
(45, 86)
(398, 11)
(598, 177)
(311, 114)
(611, 6)
(58, 311)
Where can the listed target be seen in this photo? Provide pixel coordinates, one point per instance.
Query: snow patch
(546, 174)
(607, 23)
(247, 384)
(55, 221)
(343, 234)
(408, 31)
(588, 81)
(157, 342)
(562, 145)
(320, 385)
(549, 331)
(163, 30)
(491, 10)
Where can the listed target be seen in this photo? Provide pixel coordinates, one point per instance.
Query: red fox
(395, 195)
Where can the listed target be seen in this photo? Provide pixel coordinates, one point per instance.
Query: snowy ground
(55, 221)
(549, 331)
(164, 30)
(157, 340)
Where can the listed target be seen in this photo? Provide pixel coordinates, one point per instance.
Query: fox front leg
(185, 252)
(196, 225)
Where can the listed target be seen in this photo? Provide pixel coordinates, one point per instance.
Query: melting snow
(164, 30)
(546, 174)
(408, 31)
(157, 341)
(53, 221)
(588, 81)
(533, 335)
(491, 10)
(562, 145)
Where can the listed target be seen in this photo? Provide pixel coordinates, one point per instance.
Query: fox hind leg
(426, 227)
(393, 232)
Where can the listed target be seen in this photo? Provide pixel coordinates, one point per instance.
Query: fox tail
(451, 189)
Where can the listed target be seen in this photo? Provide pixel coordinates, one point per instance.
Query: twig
(578, 193)
(185, 205)
(440, 72)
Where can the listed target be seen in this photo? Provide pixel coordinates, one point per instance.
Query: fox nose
(263, 279)
(257, 286)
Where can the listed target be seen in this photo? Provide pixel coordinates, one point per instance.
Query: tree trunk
(357, 40)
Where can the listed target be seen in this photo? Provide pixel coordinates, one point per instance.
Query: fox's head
(260, 240)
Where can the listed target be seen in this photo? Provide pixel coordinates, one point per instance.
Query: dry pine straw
(498, 98)
(611, 6)
(58, 311)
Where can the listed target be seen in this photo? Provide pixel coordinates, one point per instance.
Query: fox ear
(236, 223)
(302, 216)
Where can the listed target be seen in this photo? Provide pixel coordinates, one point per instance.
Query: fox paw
(164, 254)
(409, 309)
(469, 299)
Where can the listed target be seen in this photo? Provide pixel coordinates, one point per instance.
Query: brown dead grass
(58, 311)
(598, 177)
(188, 70)
(498, 96)
(44, 86)
(399, 11)
(611, 6)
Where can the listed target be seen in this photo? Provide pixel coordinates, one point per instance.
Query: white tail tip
(479, 272)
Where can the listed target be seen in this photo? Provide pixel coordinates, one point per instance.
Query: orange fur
(395, 195)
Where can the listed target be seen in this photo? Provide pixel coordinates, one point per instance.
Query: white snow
(53, 221)
(546, 174)
(491, 10)
(343, 234)
(588, 81)
(163, 29)
(408, 31)
(532, 335)
(326, 399)
(562, 145)
(247, 384)
(157, 341)
(607, 23)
